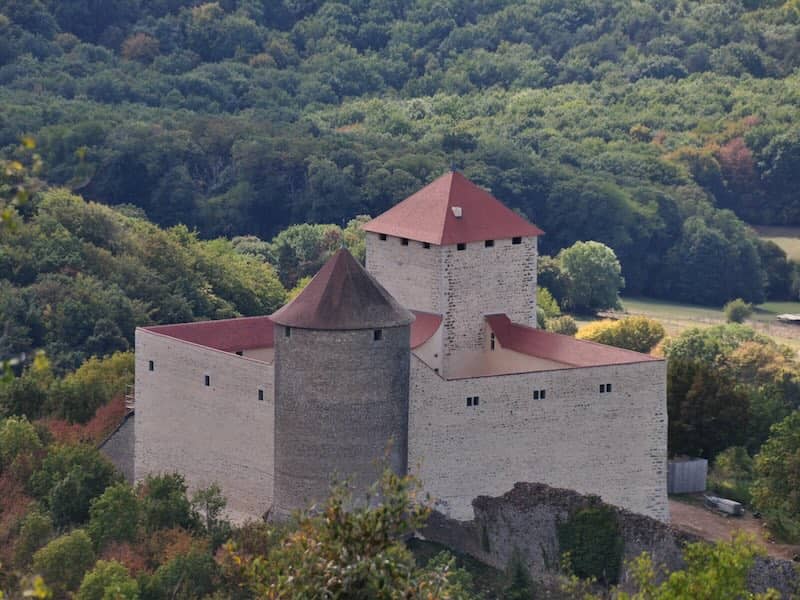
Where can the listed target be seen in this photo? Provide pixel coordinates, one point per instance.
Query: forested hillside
(78, 278)
(631, 123)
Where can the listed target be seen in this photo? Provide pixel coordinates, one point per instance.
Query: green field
(788, 238)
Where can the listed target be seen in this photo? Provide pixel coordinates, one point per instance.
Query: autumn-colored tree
(140, 46)
(640, 334)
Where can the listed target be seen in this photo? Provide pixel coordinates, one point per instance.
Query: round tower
(341, 385)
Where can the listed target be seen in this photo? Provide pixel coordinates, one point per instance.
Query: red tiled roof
(427, 215)
(559, 348)
(247, 333)
(343, 295)
(423, 327)
(229, 335)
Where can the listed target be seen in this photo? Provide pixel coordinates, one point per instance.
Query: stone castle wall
(412, 273)
(462, 285)
(218, 433)
(480, 281)
(526, 518)
(612, 444)
(341, 401)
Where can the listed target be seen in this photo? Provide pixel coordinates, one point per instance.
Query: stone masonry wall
(221, 433)
(613, 445)
(525, 520)
(412, 273)
(341, 406)
(480, 281)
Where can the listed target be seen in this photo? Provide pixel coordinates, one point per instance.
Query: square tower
(455, 250)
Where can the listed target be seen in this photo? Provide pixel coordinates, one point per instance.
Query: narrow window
(151, 366)
(207, 379)
(240, 353)
(469, 400)
(535, 394)
(261, 394)
(488, 244)
(404, 241)
(377, 335)
(426, 245)
(541, 394)
(516, 240)
(382, 237)
(608, 387)
(461, 246)
(287, 331)
(602, 388)
(491, 341)
(476, 400)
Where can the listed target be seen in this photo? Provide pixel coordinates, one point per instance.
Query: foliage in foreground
(352, 553)
(713, 572)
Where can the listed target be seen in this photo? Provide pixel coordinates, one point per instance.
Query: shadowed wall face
(341, 400)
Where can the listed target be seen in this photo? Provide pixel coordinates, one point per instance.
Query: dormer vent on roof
(343, 296)
(452, 210)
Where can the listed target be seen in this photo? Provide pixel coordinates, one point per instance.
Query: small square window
(404, 241)
(207, 379)
(488, 244)
(608, 387)
(516, 240)
(426, 245)
(542, 394)
(469, 400)
(461, 246)
(602, 388)
(240, 353)
(151, 366)
(382, 237)
(535, 394)
(476, 400)
(287, 331)
(261, 395)
(377, 335)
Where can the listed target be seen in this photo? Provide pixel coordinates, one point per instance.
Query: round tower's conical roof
(343, 295)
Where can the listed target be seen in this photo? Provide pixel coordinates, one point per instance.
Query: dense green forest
(632, 123)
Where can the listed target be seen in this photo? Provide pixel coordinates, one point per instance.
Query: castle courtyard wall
(218, 433)
(479, 281)
(611, 444)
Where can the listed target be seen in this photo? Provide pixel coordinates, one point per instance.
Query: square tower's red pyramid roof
(429, 215)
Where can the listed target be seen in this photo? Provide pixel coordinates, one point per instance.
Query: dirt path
(700, 521)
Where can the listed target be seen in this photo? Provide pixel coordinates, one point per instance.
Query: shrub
(63, 561)
(18, 438)
(69, 478)
(35, 530)
(736, 311)
(114, 516)
(593, 543)
(164, 502)
(545, 301)
(564, 325)
(639, 334)
(732, 474)
(108, 579)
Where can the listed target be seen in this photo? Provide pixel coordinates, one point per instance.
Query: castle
(429, 359)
